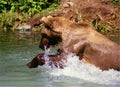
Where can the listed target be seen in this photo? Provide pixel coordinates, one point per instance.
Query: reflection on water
(16, 50)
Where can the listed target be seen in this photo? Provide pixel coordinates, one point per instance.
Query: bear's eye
(44, 35)
(48, 27)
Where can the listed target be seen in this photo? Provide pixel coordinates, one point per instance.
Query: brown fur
(81, 39)
(39, 60)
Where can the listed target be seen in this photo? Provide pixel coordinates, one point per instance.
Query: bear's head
(50, 35)
(57, 29)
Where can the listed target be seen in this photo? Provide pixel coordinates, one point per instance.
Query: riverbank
(103, 15)
(13, 13)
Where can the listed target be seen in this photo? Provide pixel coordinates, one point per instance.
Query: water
(17, 50)
(87, 73)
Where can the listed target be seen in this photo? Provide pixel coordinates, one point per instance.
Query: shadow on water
(16, 50)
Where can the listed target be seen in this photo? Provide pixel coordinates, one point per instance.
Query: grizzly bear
(81, 39)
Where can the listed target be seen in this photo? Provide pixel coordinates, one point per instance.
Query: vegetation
(104, 28)
(13, 10)
(116, 2)
(19, 10)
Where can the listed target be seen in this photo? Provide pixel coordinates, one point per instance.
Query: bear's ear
(49, 16)
(45, 19)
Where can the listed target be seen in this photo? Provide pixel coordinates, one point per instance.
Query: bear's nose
(29, 65)
(32, 66)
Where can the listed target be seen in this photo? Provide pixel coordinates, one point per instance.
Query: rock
(24, 28)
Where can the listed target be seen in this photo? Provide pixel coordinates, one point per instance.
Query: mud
(85, 11)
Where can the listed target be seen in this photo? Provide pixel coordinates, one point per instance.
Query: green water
(16, 50)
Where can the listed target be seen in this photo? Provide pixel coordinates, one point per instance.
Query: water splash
(78, 69)
(48, 62)
(46, 53)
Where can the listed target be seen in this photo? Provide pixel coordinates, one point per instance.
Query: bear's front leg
(38, 60)
(54, 60)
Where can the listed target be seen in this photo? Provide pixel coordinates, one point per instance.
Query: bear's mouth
(53, 41)
(49, 41)
(50, 37)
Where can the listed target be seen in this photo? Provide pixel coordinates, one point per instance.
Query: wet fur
(81, 39)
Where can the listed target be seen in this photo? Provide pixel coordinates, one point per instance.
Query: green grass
(116, 2)
(13, 11)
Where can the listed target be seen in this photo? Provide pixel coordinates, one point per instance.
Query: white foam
(46, 53)
(78, 69)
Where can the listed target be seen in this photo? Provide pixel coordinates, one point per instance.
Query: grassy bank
(12, 11)
(116, 2)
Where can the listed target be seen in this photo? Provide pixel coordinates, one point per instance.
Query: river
(16, 50)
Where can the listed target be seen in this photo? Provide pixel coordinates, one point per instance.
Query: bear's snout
(30, 65)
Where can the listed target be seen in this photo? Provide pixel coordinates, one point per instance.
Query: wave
(78, 69)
